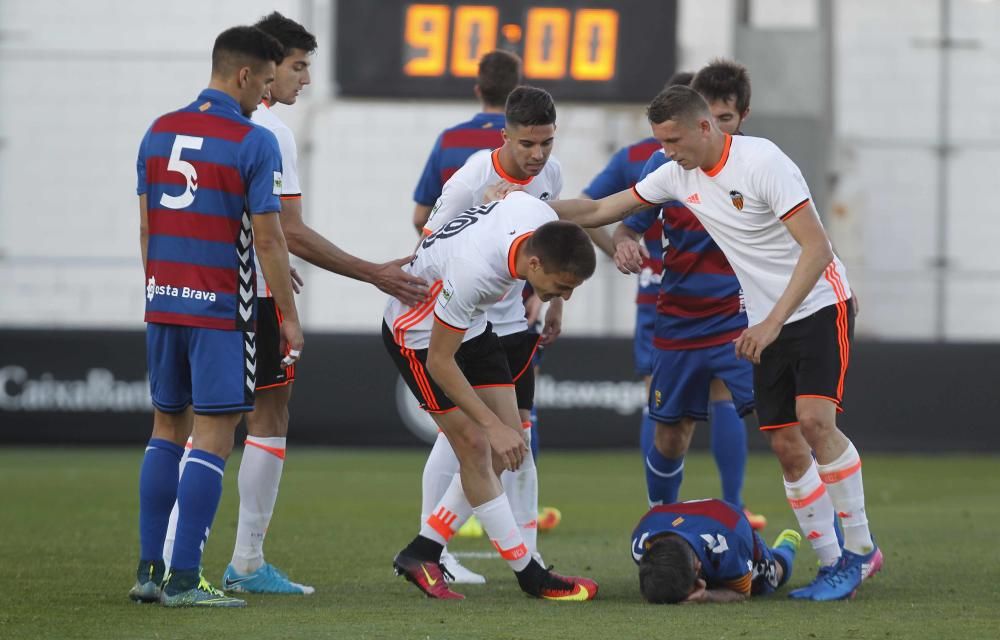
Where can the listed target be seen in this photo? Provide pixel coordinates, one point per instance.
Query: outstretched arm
(597, 213)
(304, 242)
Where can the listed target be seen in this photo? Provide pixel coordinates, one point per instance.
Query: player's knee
(790, 448)
(470, 445)
(672, 439)
(814, 423)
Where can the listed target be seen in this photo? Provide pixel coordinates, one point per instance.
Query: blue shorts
(681, 377)
(212, 369)
(642, 343)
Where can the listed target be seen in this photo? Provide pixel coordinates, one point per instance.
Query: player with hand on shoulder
(756, 205)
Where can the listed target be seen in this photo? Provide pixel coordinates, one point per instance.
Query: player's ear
(244, 77)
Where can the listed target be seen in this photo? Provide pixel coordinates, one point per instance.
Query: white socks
(504, 533)
(439, 470)
(521, 487)
(168, 543)
(448, 515)
(813, 509)
(842, 478)
(260, 475)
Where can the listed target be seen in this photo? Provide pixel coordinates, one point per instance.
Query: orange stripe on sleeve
(447, 326)
(791, 212)
(635, 192)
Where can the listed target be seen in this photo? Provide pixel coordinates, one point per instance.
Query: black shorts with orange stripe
(270, 373)
(482, 360)
(520, 349)
(808, 359)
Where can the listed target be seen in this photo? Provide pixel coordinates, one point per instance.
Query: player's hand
(532, 309)
(754, 340)
(629, 256)
(700, 593)
(297, 281)
(855, 303)
(390, 278)
(553, 323)
(508, 445)
(499, 191)
(292, 341)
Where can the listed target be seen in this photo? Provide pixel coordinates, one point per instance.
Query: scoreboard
(616, 50)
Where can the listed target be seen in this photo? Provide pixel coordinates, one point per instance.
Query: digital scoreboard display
(615, 51)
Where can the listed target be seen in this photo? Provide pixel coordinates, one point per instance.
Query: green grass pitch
(68, 545)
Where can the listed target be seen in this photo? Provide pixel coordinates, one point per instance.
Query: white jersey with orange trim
(470, 262)
(289, 175)
(742, 202)
(466, 188)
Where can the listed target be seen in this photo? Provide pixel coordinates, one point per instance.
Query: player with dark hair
(698, 314)
(525, 161)
(754, 202)
(208, 185)
(706, 551)
(499, 73)
(452, 360)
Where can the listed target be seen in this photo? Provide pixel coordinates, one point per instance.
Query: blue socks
(646, 431)
(663, 477)
(157, 493)
(197, 501)
(729, 446)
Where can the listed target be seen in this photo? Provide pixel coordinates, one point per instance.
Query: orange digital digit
(546, 43)
(595, 44)
(426, 39)
(475, 34)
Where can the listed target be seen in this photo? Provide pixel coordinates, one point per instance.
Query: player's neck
(491, 109)
(224, 87)
(506, 158)
(717, 149)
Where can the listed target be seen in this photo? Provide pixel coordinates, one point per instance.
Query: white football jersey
(742, 202)
(289, 171)
(471, 264)
(465, 189)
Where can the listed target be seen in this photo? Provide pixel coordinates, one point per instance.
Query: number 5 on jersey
(184, 168)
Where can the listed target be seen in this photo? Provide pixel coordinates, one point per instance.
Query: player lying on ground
(706, 551)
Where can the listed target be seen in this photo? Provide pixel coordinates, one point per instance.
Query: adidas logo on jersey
(693, 199)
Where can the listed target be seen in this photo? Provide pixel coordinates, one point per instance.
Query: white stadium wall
(84, 79)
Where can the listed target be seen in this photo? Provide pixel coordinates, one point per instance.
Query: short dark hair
(563, 247)
(676, 103)
(239, 47)
(288, 32)
(666, 570)
(529, 106)
(724, 80)
(499, 73)
(682, 78)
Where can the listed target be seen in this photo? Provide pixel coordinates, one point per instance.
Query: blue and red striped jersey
(622, 172)
(700, 303)
(452, 148)
(205, 169)
(718, 532)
